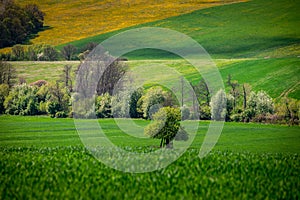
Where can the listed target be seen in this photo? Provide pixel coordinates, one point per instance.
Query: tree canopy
(18, 23)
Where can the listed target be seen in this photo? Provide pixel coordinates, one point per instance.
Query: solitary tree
(166, 125)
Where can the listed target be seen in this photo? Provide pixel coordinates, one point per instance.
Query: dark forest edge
(19, 24)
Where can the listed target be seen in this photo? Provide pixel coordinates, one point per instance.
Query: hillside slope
(278, 77)
(71, 20)
(257, 28)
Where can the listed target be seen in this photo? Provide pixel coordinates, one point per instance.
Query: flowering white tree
(218, 106)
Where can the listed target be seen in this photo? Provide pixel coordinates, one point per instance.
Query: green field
(44, 158)
(256, 42)
(277, 76)
(249, 29)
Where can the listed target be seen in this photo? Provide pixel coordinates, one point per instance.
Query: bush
(103, 106)
(53, 107)
(22, 101)
(264, 103)
(205, 113)
(43, 107)
(58, 98)
(236, 117)
(120, 105)
(60, 114)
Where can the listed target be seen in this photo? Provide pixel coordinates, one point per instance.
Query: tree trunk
(169, 144)
(245, 97)
(161, 143)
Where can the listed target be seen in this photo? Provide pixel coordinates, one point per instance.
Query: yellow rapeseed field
(72, 20)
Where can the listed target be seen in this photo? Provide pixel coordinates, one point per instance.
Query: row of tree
(18, 23)
(242, 104)
(46, 52)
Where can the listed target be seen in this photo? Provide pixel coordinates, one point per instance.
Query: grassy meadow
(277, 76)
(48, 161)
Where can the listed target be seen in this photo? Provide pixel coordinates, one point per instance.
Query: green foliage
(34, 52)
(205, 112)
(18, 52)
(288, 111)
(120, 104)
(17, 23)
(43, 107)
(60, 114)
(53, 107)
(152, 101)
(133, 104)
(103, 106)
(22, 101)
(59, 99)
(4, 91)
(165, 126)
(69, 51)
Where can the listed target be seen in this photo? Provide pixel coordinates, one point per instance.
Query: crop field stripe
(48, 132)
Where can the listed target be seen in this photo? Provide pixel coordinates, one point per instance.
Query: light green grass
(278, 77)
(49, 71)
(48, 132)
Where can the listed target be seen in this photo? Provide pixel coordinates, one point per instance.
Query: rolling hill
(255, 28)
(278, 76)
(71, 20)
(257, 42)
